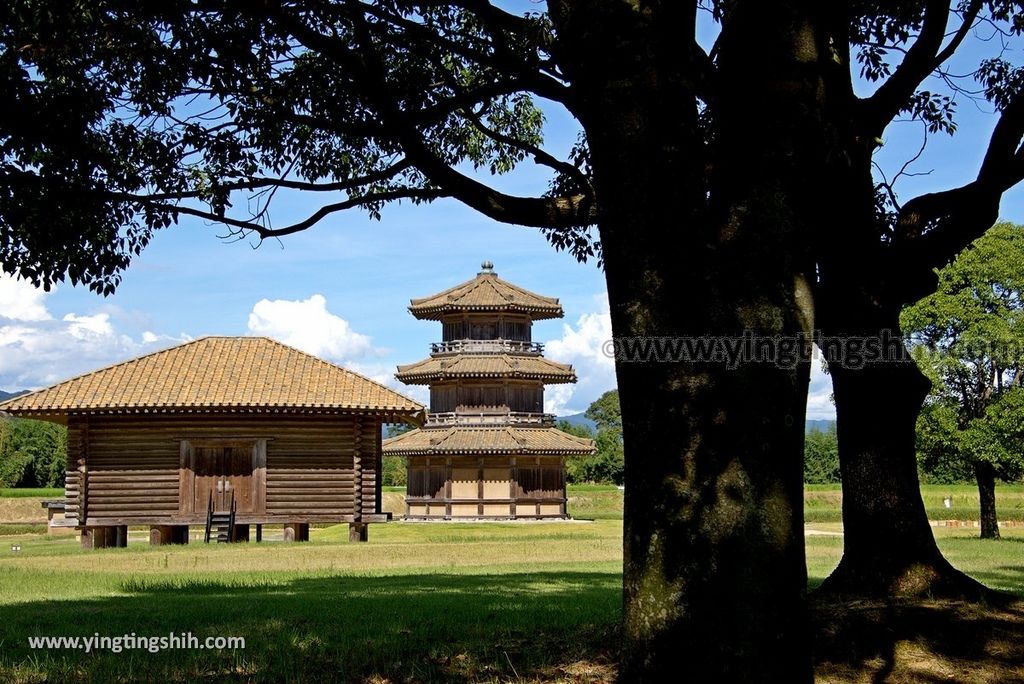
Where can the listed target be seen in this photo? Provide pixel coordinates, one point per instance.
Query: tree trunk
(985, 474)
(714, 575)
(889, 548)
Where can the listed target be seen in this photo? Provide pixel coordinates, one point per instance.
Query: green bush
(33, 453)
(393, 471)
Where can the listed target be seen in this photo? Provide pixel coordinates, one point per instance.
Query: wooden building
(244, 426)
(487, 450)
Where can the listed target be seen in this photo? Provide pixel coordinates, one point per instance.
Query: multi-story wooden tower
(487, 450)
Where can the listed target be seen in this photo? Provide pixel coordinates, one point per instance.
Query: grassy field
(822, 502)
(419, 602)
(31, 493)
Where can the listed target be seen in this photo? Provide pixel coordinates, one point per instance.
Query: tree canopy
(33, 453)
(606, 466)
(124, 118)
(970, 334)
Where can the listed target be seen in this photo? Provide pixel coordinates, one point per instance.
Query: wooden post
(259, 533)
(357, 469)
(540, 474)
(480, 486)
(104, 537)
(513, 474)
(447, 487)
(259, 477)
(160, 535)
(378, 466)
(83, 472)
(296, 532)
(565, 490)
(358, 532)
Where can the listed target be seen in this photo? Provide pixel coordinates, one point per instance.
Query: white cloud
(89, 327)
(36, 349)
(20, 301)
(308, 325)
(583, 345)
(819, 393)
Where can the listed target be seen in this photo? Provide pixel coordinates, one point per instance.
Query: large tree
(712, 176)
(971, 334)
(879, 252)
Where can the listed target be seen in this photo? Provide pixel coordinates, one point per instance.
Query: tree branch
(539, 155)
(554, 212)
(966, 24)
(259, 183)
(531, 75)
(878, 110)
(933, 228)
(314, 218)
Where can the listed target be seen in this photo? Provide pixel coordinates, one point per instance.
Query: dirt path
(21, 510)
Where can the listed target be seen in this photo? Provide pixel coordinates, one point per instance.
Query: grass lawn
(427, 602)
(419, 602)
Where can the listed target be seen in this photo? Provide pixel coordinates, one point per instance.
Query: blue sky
(340, 289)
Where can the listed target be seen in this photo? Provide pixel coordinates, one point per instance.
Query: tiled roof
(486, 292)
(485, 366)
(215, 373)
(487, 440)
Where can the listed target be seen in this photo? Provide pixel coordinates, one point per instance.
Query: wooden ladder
(220, 523)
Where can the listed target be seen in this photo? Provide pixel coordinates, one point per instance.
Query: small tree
(394, 471)
(606, 466)
(576, 466)
(609, 463)
(972, 329)
(606, 411)
(821, 456)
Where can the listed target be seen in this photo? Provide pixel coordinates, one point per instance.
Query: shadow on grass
(425, 628)
(920, 641)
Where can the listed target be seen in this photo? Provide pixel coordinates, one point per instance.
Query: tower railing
(490, 417)
(486, 347)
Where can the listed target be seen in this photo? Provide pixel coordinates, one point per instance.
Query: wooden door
(237, 477)
(220, 470)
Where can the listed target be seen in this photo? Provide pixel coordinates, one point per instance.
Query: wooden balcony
(486, 347)
(489, 416)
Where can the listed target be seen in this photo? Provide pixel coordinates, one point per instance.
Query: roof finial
(486, 267)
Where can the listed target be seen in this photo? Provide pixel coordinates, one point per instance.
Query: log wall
(129, 469)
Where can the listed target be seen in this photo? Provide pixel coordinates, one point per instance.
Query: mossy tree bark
(714, 568)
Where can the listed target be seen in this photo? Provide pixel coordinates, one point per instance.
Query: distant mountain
(820, 425)
(578, 419)
(4, 396)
